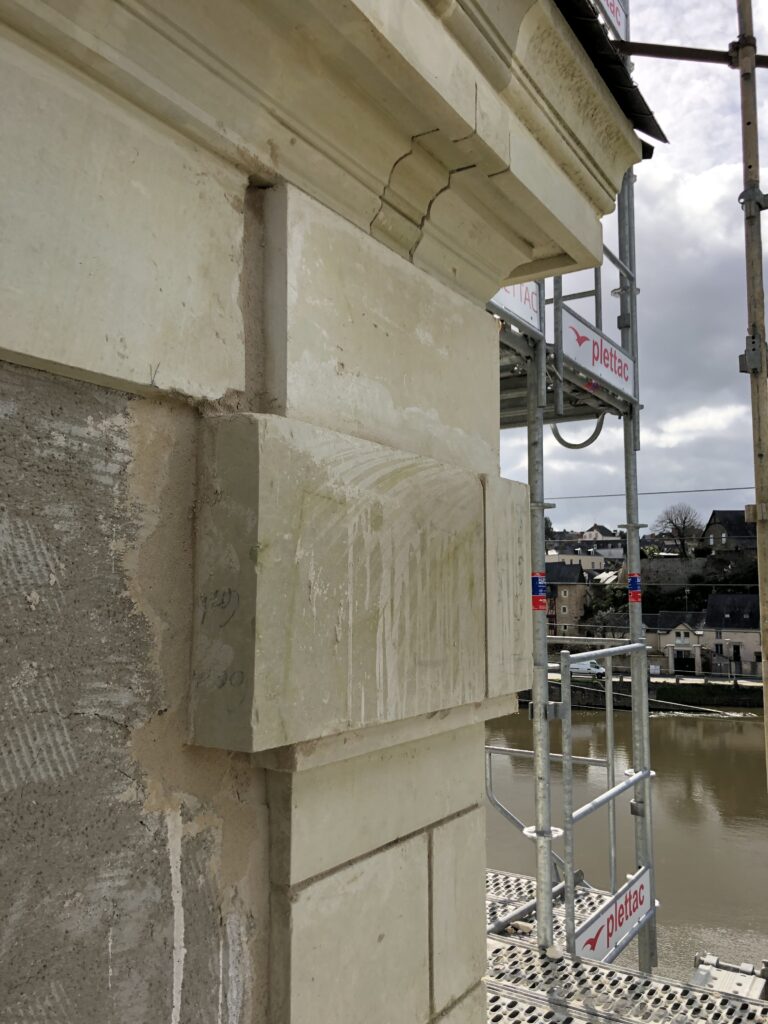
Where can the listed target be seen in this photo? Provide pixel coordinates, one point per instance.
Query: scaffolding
(582, 375)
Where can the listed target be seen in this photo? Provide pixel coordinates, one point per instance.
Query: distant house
(604, 541)
(732, 632)
(679, 630)
(727, 635)
(659, 545)
(727, 531)
(597, 532)
(566, 597)
(576, 554)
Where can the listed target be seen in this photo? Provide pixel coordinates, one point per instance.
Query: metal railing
(638, 780)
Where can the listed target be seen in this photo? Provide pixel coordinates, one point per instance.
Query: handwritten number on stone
(235, 679)
(224, 602)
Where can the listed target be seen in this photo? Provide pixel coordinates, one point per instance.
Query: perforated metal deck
(506, 893)
(527, 987)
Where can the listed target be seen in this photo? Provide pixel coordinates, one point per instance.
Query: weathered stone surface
(133, 869)
(357, 943)
(472, 1009)
(121, 257)
(339, 584)
(343, 810)
(342, 93)
(299, 757)
(458, 906)
(364, 343)
(508, 554)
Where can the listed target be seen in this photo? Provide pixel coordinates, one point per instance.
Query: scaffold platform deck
(526, 986)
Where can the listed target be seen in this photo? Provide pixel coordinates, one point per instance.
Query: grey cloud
(692, 307)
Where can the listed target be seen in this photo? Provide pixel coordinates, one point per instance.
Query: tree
(683, 524)
(549, 530)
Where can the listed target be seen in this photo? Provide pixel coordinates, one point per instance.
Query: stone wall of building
(263, 583)
(135, 881)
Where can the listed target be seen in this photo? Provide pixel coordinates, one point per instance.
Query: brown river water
(710, 811)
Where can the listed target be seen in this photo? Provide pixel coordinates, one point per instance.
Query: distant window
(712, 540)
(758, 656)
(564, 609)
(727, 615)
(564, 591)
(686, 633)
(723, 537)
(718, 634)
(678, 633)
(594, 566)
(719, 649)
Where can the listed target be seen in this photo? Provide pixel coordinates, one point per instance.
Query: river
(710, 827)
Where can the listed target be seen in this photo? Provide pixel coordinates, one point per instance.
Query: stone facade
(263, 583)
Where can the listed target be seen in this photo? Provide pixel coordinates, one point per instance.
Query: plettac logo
(596, 355)
(615, 920)
(581, 339)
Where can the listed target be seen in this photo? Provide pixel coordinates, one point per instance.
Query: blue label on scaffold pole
(539, 591)
(634, 588)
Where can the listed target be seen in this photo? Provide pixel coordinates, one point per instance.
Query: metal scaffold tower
(581, 374)
(553, 940)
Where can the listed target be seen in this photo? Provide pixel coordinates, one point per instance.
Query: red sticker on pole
(634, 589)
(539, 591)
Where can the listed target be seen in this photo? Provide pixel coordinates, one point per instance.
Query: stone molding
(402, 118)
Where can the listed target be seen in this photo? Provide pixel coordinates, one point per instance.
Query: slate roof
(673, 618)
(560, 572)
(733, 611)
(603, 530)
(664, 621)
(733, 522)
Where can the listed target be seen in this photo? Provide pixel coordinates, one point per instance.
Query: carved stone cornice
(482, 148)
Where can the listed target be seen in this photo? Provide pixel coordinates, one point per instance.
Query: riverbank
(693, 694)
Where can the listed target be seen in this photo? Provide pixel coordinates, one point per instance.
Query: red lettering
(595, 351)
(621, 916)
(611, 927)
(606, 359)
(642, 894)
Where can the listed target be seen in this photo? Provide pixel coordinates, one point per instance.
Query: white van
(593, 669)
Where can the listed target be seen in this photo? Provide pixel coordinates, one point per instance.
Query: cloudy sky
(692, 305)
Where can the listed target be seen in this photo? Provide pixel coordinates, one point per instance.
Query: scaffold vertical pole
(754, 359)
(540, 695)
(641, 753)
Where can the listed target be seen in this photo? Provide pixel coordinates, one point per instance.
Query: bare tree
(683, 524)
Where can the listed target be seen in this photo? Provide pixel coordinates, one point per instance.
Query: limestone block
(121, 242)
(339, 584)
(330, 815)
(472, 1009)
(340, 747)
(363, 342)
(508, 554)
(356, 943)
(458, 906)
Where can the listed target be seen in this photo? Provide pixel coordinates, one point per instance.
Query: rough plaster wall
(133, 869)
